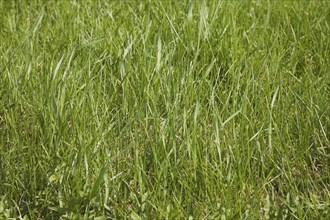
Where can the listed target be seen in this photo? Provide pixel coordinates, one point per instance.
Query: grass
(164, 109)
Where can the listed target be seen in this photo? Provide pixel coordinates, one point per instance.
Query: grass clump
(163, 109)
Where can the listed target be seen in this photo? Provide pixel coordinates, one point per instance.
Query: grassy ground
(164, 109)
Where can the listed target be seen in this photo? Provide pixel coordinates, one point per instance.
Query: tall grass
(164, 109)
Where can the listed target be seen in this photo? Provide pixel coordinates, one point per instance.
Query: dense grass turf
(164, 109)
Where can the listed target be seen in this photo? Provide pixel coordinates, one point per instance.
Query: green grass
(164, 109)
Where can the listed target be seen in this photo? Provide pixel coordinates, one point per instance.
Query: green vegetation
(164, 109)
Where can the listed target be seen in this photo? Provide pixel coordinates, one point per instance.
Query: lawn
(164, 109)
